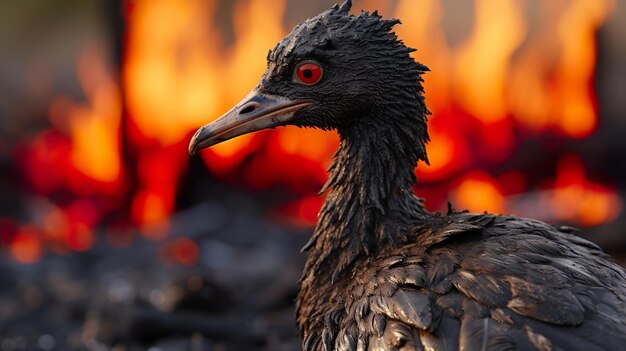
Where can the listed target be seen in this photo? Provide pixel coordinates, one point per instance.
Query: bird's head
(333, 71)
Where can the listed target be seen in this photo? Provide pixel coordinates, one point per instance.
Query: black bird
(382, 272)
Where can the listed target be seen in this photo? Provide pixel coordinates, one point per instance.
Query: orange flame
(576, 32)
(551, 86)
(478, 192)
(576, 199)
(170, 86)
(482, 63)
(94, 127)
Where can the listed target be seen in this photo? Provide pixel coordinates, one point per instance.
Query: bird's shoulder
(483, 282)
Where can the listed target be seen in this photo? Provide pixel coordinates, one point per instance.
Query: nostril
(248, 109)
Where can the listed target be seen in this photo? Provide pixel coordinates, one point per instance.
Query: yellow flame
(170, 83)
(314, 144)
(576, 32)
(440, 151)
(95, 126)
(478, 192)
(257, 28)
(178, 73)
(482, 62)
(550, 83)
(422, 29)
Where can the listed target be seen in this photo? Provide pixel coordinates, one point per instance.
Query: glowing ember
(46, 162)
(80, 238)
(26, 245)
(576, 199)
(182, 251)
(8, 228)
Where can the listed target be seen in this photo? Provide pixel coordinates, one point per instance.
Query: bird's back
(473, 282)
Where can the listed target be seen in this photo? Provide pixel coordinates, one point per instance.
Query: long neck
(370, 200)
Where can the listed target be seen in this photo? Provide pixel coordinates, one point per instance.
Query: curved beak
(255, 112)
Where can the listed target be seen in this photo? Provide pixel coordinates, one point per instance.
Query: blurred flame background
(517, 123)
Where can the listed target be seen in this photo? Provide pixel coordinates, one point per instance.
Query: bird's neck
(370, 201)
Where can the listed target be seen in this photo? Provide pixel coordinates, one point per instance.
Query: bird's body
(471, 282)
(382, 272)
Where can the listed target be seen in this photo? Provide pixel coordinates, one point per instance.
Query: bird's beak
(255, 112)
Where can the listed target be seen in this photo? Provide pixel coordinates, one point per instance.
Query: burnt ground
(238, 295)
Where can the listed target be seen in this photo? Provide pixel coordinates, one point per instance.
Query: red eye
(309, 73)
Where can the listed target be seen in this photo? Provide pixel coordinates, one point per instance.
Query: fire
(76, 168)
(82, 153)
(569, 197)
(180, 75)
(551, 88)
(170, 85)
(94, 128)
(511, 75)
(158, 171)
(482, 63)
(478, 192)
(26, 245)
(577, 115)
(303, 211)
(577, 199)
(501, 78)
(177, 79)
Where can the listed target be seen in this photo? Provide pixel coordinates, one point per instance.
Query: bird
(382, 272)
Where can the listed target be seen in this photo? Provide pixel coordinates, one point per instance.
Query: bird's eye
(308, 73)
